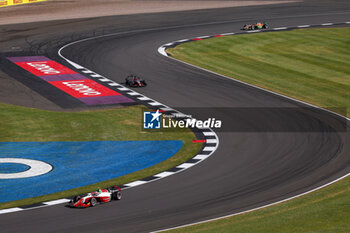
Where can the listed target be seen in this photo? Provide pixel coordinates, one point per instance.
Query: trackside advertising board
(4, 3)
(76, 85)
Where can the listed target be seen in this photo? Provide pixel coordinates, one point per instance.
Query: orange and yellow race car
(256, 26)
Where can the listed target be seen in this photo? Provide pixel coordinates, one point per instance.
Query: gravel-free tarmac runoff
(248, 170)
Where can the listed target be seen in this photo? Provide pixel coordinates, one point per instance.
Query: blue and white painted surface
(13, 167)
(74, 164)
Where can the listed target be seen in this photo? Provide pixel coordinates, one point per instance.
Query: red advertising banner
(41, 68)
(77, 85)
(83, 88)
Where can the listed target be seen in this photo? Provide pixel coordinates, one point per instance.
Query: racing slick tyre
(76, 198)
(93, 202)
(117, 196)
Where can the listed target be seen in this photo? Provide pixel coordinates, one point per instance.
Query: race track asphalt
(248, 170)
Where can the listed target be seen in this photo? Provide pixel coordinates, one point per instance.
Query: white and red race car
(94, 198)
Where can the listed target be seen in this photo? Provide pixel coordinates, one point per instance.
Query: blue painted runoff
(77, 164)
(13, 168)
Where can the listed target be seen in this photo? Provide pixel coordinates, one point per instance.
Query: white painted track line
(5, 211)
(201, 157)
(164, 174)
(167, 109)
(227, 34)
(133, 93)
(135, 183)
(212, 141)
(185, 165)
(103, 79)
(155, 103)
(96, 76)
(144, 98)
(209, 133)
(253, 31)
(281, 28)
(55, 202)
(123, 89)
(209, 148)
(114, 84)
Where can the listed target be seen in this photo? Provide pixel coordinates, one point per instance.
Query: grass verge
(312, 65)
(122, 124)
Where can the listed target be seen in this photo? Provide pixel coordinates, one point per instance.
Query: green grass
(28, 124)
(312, 65)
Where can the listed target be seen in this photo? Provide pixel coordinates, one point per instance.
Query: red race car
(97, 197)
(134, 81)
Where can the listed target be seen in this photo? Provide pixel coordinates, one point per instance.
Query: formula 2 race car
(97, 197)
(134, 81)
(256, 26)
